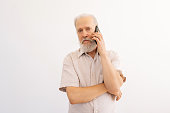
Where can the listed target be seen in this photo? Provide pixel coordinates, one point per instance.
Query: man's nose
(84, 34)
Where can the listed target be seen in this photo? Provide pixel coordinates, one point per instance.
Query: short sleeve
(116, 63)
(69, 76)
(115, 60)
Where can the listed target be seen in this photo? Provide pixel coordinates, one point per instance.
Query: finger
(101, 35)
(114, 97)
(118, 97)
(120, 94)
(98, 36)
(98, 33)
(94, 38)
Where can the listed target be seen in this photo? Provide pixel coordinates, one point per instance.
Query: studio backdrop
(36, 35)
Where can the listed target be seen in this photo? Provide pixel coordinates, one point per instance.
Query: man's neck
(92, 53)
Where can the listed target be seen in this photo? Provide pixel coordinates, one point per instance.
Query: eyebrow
(79, 28)
(85, 27)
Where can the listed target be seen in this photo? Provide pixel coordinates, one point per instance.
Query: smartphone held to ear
(96, 30)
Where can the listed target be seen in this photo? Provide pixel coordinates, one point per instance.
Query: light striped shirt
(81, 70)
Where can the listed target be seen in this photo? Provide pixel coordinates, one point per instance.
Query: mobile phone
(96, 30)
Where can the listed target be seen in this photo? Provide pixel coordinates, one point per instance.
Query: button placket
(93, 77)
(95, 105)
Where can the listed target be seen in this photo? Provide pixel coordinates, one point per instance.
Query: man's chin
(87, 47)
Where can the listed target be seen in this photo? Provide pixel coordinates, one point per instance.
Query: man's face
(85, 27)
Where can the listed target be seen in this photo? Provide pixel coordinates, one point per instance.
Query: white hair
(85, 15)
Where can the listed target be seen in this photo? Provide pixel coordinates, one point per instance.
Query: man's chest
(89, 72)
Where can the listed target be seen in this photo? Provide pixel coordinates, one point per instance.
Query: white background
(35, 36)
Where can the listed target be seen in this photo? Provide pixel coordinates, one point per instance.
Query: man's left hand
(100, 43)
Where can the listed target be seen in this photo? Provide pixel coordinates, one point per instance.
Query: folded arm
(112, 78)
(78, 95)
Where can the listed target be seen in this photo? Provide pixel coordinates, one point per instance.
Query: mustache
(86, 39)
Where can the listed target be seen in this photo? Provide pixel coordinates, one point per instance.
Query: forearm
(78, 95)
(112, 78)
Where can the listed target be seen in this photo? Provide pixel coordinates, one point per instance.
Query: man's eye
(80, 30)
(88, 29)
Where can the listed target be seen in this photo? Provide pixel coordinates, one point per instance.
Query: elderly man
(91, 76)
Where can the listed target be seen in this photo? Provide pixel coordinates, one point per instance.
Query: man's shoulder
(112, 53)
(72, 54)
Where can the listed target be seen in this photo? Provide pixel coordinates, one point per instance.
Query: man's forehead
(85, 22)
(85, 26)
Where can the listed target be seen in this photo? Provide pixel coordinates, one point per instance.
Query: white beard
(88, 47)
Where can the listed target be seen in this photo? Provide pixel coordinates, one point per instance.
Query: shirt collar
(80, 52)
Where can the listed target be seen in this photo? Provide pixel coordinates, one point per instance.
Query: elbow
(75, 100)
(72, 101)
(113, 91)
(73, 96)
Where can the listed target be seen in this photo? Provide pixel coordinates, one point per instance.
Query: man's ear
(121, 74)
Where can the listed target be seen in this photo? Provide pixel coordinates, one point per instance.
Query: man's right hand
(117, 94)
